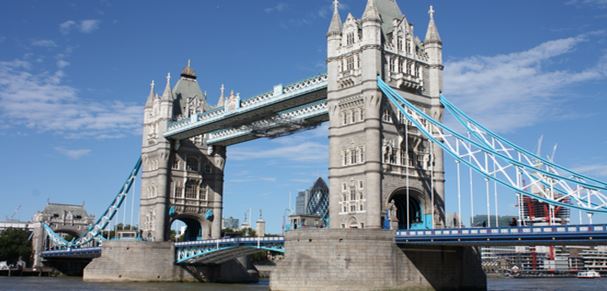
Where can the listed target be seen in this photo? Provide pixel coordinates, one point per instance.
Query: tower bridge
(382, 97)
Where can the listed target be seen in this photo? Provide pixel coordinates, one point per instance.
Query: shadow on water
(71, 283)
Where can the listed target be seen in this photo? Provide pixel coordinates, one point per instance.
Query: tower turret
(150, 101)
(434, 48)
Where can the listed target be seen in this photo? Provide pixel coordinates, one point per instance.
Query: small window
(360, 184)
(350, 64)
(192, 164)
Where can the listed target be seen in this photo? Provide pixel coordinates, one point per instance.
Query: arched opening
(414, 212)
(68, 234)
(184, 228)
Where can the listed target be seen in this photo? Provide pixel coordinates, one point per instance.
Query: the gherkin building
(318, 202)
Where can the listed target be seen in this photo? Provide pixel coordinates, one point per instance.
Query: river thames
(66, 283)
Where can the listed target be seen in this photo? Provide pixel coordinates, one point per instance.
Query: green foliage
(14, 243)
(246, 232)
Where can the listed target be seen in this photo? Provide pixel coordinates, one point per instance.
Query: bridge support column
(124, 261)
(364, 259)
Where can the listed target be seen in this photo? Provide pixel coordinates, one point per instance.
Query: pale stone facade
(180, 180)
(368, 159)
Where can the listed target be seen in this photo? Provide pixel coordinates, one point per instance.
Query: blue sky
(74, 76)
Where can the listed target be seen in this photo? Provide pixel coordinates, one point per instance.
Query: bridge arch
(416, 212)
(193, 227)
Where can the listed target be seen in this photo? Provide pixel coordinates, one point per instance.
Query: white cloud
(43, 43)
(510, 91)
(42, 102)
(84, 26)
(73, 154)
(307, 151)
(276, 8)
(307, 146)
(89, 25)
(598, 3)
(597, 170)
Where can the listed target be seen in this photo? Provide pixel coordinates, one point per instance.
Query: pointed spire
(335, 26)
(371, 12)
(150, 100)
(188, 72)
(221, 101)
(167, 94)
(432, 35)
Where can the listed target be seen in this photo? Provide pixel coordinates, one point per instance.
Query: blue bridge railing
(515, 235)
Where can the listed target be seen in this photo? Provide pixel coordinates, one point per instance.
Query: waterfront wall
(363, 259)
(136, 261)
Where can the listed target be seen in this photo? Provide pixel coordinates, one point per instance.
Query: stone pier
(357, 259)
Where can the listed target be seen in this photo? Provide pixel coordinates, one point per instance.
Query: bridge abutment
(365, 259)
(123, 261)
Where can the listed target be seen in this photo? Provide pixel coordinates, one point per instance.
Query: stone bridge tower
(369, 162)
(180, 180)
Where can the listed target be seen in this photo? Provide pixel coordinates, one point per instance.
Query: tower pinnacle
(335, 26)
(432, 35)
(188, 72)
(221, 100)
(150, 100)
(167, 94)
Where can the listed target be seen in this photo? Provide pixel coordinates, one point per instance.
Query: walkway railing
(521, 235)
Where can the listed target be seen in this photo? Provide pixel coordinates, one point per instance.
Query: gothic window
(344, 187)
(350, 38)
(417, 70)
(361, 156)
(344, 118)
(386, 116)
(408, 47)
(350, 64)
(362, 114)
(399, 43)
(192, 164)
(409, 65)
(354, 156)
(176, 163)
(354, 114)
(352, 207)
(361, 208)
(352, 193)
(403, 157)
(191, 187)
(204, 192)
(178, 190)
(360, 187)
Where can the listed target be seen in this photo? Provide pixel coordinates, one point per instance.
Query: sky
(74, 76)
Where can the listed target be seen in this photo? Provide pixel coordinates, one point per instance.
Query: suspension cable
(407, 171)
(459, 190)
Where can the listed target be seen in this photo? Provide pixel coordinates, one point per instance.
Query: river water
(67, 283)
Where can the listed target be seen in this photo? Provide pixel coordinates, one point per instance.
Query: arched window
(192, 164)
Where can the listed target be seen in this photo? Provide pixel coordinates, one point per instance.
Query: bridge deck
(221, 250)
(524, 235)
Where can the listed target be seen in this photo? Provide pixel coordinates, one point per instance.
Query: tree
(14, 243)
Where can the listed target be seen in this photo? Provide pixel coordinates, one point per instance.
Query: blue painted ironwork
(92, 252)
(281, 93)
(94, 233)
(523, 235)
(190, 252)
(445, 137)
